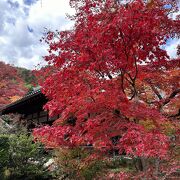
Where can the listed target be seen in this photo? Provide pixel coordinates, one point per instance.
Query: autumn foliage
(113, 84)
(12, 86)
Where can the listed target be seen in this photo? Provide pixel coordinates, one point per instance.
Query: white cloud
(50, 15)
(171, 48)
(22, 26)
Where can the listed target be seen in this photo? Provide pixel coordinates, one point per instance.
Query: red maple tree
(113, 84)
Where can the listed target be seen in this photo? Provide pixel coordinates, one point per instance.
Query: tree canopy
(112, 81)
(11, 85)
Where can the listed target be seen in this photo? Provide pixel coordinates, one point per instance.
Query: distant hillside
(28, 77)
(14, 83)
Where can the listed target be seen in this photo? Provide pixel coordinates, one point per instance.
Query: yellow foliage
(168, 128)
(151, 3)
(14, 98)
(2, 84)
(148, 124)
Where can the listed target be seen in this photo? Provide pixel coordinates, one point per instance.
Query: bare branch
(172, 95)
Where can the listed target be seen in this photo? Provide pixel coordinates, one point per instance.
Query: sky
(23, 22)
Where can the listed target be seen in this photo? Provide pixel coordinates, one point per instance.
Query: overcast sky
(22, 24)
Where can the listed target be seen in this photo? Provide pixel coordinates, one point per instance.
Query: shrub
(20, 157)
(26, 158)
(11, 124)
(72, 164)
(4, 152)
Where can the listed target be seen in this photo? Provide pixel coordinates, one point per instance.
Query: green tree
(20, 156)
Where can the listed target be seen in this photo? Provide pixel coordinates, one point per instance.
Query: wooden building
(31, 109)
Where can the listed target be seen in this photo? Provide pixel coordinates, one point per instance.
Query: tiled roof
(25, 98)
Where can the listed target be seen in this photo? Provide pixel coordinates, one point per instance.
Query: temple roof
(26, 105)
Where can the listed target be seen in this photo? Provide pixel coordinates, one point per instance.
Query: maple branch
(132, 82)
(130, 76)
(155, 91)
(109, 76)
(92, 99)
(117, 2)
(125, 45)
(122, 82)
(132, 96)
(172, 95)
(100, 74)
(133, 79)
(136, 68)
(175, 115)
(129, 80)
